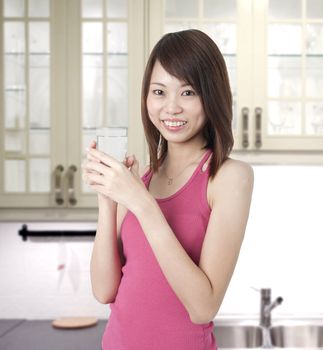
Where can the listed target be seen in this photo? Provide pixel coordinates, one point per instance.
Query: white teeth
(174, 123)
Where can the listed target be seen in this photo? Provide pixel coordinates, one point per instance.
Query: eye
(158, 92)
(188, 93)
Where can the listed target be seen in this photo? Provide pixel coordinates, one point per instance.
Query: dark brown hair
(192, 56)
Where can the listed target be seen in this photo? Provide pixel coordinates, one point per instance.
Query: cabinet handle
(70, 184)
(58, 184)
(258, 114)
(245, 127)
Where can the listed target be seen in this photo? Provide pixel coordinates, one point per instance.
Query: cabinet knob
(70, 184)
(245, 127)
(258, 115)
(58, 184)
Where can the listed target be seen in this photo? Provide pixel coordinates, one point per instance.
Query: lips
(174, 125)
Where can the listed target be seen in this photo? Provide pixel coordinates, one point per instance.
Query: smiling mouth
(174, 124)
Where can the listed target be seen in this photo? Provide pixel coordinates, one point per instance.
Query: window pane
(171, 27)
(279, 39)
(284, 118)
(117, 38)
(15, 142)
(92, 38)
(14, 71)
(220, 8)
(92, 90)
(15, 174)
(181, 8)
(117, 8)
(314, 42)
(117, 91)
(38, 8)
(39, 91)
(224, 35)
(92, 8)
(231, 63)
(39, 175)
(314, 77)
(14, 38)
(39, 37)
(285, 9)
(314, 118)
(14, 8)
(314, 9)
(284, 76)
(39, 142)
(15, 109)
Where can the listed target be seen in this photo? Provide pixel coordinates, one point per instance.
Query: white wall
(282, 250)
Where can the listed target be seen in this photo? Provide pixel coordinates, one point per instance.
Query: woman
(167, 242)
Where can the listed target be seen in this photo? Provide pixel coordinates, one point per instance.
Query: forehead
(159, 74)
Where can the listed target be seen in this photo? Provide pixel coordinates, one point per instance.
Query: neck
(179, 157)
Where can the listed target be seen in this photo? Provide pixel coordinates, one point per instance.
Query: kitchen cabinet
(67, 68)
(274, 55)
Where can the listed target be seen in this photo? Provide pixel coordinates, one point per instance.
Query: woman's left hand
(119, 181)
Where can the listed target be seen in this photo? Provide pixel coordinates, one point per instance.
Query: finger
(90, 156)
(128, 161)
(93, 144)
(135, 167)
(86, 164)
(104, 158)
(97, 167)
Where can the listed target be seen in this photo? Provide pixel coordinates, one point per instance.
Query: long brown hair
(192, 56)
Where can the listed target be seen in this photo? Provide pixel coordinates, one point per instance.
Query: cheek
(153, 110)
(151, 115)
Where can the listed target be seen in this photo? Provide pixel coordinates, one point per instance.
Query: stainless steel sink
(297, 336)
(238, 336)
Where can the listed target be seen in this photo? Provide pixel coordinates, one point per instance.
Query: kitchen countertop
(17, 334)
(40, 334)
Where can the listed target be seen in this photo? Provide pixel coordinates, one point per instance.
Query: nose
(173, 106)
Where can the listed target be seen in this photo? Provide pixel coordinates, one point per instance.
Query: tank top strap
(202, 167)
(145, 177)
(205, 161)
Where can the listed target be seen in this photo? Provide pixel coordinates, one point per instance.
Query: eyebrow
(161, 84)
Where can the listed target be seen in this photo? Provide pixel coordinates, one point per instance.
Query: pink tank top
(146, 314)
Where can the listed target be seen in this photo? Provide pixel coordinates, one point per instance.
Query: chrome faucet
(266, 306)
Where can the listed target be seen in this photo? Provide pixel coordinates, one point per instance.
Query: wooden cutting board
(74, 322)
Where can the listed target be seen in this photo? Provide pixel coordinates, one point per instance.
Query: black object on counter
(25, 233)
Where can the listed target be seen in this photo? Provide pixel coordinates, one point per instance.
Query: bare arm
(107, 257)
(201, 288)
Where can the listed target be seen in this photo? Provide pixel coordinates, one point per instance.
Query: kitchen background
(70, 67)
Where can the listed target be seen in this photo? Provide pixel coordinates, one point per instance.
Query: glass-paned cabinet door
(221, 20)
(104, 67)
(64, 68)
(292, 107)
(25, 101)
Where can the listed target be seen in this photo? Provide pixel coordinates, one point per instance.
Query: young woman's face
(174, 107)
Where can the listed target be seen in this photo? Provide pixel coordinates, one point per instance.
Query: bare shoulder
(234, 175)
